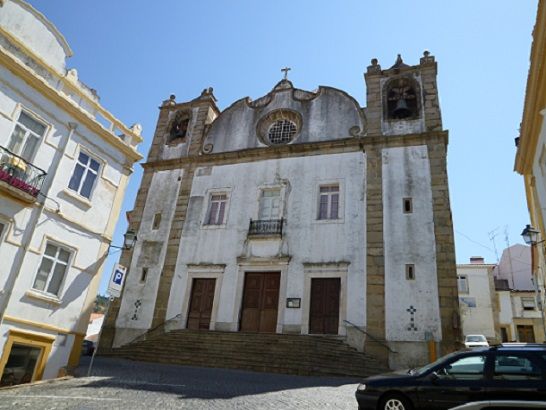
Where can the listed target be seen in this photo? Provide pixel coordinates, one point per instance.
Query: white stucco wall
(32, 29)
(76, 223)
(409, 239)
(305, 239)
(479, 319)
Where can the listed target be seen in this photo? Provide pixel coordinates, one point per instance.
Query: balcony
(19, 177)
(269, 227)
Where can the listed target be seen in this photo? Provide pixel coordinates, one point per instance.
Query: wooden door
(260, 302)
(324, 309)
(202, 297)
(526, 334)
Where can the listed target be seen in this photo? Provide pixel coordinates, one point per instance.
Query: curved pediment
(286, 115)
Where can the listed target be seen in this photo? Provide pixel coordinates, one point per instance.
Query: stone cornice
(26, 74)
(351, 144)
(535, 97)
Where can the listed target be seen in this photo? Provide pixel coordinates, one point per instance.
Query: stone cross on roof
(286, 70)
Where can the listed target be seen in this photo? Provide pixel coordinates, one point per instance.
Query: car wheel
(395, 402)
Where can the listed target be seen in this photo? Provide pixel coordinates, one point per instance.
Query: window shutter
(220, 219)
(323, 208)
(334, 208)
(212, 213)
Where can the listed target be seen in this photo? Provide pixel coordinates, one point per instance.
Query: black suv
(513, 371)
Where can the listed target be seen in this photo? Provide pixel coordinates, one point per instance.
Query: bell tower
(403, 99)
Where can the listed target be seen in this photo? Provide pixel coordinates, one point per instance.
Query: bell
(401, 110)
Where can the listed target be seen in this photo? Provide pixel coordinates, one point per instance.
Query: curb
(36, 383)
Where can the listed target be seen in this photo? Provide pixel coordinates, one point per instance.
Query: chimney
(476, 260)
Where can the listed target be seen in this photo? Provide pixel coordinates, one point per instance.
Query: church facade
(299, 212)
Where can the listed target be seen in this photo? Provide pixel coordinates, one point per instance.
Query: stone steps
(276, 353)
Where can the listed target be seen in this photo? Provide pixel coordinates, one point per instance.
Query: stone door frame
(324, 270)
(205, 272)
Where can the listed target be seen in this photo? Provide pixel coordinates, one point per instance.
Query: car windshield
(426, 368)
(475, 338)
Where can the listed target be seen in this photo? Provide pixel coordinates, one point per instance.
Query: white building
(299, 212)
(477, 302)
(64, 166)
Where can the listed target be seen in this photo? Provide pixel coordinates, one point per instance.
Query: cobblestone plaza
(123, 384)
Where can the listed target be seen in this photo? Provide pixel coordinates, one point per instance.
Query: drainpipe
(31, 226)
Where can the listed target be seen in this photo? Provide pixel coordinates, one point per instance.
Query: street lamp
(530, 235)
(129, 239)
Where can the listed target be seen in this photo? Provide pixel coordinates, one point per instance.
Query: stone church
(302, 213)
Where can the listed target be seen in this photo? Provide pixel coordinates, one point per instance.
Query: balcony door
(270, 205)
(26, 136)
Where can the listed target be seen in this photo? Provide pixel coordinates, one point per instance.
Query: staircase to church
(275, 353)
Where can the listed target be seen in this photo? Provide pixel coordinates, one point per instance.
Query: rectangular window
(329, 202)
(270, 204)
(52, 269)
(157, 221)
(25, 137)
(84, 175)
(217, 209)
(528, 303)
(410, 272)
(144, 274)
(3, 228)
(462, 284)
(407, 204)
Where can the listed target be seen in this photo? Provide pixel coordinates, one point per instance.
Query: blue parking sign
(116, 281)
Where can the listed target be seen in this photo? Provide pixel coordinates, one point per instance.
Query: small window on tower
(144, 274)
(410, 272)
(408, 205)
(157, 221)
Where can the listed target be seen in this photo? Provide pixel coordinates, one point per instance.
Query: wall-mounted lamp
(530, 236)
(129, 239)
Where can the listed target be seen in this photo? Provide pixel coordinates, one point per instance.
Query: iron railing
(380, 342)
(265, 227)
(20, 173)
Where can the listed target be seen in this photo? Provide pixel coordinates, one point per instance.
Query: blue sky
(136, 53)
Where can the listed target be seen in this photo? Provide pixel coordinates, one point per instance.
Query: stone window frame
(19, 109)
(69, 264)
(98, 175)
(273, 187)
(340, 182)
(418, 96)
(206, 209)
(267, 121)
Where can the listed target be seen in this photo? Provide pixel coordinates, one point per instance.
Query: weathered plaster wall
(305, 240)
(328, 115)
(409, 239)
(137, 306)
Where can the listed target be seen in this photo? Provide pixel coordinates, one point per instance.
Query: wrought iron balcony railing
(19, 173)
(266, 227)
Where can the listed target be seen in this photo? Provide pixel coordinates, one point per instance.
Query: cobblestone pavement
(123, 384)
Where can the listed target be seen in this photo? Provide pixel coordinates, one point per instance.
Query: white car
(475, 341)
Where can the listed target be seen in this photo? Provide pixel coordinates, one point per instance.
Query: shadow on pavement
(196, 382)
